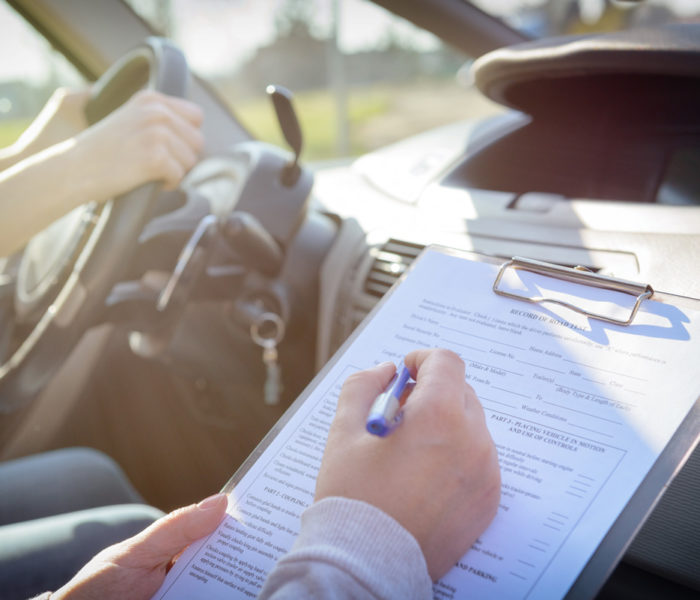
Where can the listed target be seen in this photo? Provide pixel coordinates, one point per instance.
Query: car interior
(171, 330)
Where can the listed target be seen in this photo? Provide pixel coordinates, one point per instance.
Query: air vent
(390, 261)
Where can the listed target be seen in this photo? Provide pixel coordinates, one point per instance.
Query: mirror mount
(289, 124)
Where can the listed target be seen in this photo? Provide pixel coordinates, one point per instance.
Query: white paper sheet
(578, 409)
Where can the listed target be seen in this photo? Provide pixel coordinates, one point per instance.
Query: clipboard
(677, 451)
(604, 559)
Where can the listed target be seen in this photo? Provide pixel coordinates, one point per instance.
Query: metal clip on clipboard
(579, 275)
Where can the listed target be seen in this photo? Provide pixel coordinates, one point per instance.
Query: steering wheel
(67, 271)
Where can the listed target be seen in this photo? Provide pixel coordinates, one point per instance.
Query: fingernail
(385, 364)
(211, 502)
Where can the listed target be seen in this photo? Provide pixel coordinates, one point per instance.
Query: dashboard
(403, 208)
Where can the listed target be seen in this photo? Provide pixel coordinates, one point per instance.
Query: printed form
(579, 411)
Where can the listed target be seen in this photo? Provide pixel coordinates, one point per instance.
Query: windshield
(362, 77)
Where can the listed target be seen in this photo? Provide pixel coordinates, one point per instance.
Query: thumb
(170, 535)
(361, 389)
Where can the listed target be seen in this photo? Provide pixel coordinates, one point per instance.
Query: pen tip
(377, 427)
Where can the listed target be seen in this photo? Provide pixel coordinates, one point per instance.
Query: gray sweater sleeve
(349, 549)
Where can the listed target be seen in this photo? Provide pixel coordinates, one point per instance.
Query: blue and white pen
(385, 413)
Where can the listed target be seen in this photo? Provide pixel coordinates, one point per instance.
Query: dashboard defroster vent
(389, 262)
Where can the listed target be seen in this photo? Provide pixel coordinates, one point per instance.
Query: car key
(272, 386)
(267, 331)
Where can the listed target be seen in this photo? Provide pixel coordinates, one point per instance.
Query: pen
(385, 413)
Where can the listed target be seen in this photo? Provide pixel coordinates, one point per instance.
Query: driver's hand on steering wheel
(152, 137)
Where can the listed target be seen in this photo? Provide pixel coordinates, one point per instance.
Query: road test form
(579, 410)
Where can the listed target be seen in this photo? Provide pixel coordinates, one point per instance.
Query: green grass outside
(316, 111)
(377, 115)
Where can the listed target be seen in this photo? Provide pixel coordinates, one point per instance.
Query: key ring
(278, 328)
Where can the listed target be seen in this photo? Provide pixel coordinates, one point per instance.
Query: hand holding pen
(386, 411)
(437, 474)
